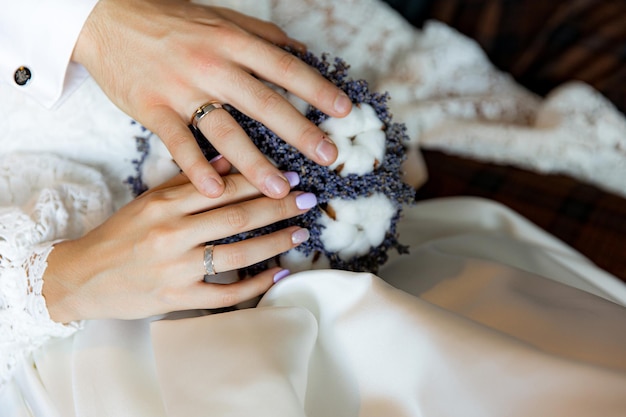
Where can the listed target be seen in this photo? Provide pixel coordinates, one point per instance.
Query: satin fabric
(487, 316)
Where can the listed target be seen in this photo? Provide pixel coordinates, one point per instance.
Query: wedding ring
(209, 268)
(203, 111)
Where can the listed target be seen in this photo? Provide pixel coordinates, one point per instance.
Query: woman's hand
(159, 60)
(147, 258)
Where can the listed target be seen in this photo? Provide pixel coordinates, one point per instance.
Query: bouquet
(360, 196)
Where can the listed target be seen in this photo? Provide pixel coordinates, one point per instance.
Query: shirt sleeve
(40, 35)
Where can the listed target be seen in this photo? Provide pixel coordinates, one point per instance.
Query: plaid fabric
(542, 43)
(590, 220)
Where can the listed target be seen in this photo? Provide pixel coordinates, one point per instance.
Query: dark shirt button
(22, 76)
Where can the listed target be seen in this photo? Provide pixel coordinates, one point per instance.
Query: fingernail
(292, 177)
(342, 103)
(216, 158)
(299, 236)
(326, 150)
(212, 187)
(281, 274)
(277, 184)
(306, 201)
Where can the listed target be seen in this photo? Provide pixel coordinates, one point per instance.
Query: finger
(179, 197)
(182, 145)
(251, 251)
(185, 199)
(203, 295)
(245, 216)
(221, 164)
(262, 103)
(282, 68)
(175, 181)
(262, 28)
(227, 136)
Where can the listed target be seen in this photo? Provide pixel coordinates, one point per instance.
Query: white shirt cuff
(41, 36)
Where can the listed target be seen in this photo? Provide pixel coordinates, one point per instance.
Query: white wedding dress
(487, 316)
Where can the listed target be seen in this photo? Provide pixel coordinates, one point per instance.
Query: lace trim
(44, 198)
(24, 320)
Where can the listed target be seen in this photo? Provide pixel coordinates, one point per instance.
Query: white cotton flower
(360, 140)
(296, 261)
(353, 227)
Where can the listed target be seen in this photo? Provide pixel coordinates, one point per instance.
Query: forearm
(41, 36)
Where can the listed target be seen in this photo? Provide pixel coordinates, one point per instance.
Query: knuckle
(284, 208)
(156, 204)
(221, 127)
(226, 29)
(231, 188)
(172, 137)
(237, 217)
(166, 295)
(270, 100)
(229, 297)
(288, 65)
(197, 167)
(159, 239)
(236, 257)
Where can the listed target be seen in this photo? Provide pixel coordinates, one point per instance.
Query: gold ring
(203, 111)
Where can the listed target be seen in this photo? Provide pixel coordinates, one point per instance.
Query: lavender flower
(363, 187)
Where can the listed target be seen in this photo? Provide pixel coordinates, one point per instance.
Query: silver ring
(203, 111)
(209, 268)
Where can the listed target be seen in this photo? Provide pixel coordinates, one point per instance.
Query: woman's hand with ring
(147, 258)
(160, 60)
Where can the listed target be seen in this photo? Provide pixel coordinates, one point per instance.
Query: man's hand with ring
(161, 60)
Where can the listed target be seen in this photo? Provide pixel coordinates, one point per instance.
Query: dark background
(542, 44)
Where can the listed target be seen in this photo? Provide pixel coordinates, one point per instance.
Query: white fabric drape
(487, 316)
(450, 332)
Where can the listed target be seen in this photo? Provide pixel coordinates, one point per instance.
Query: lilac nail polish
(306, 201)
(216, 158)
(299, 236)
(281, 274)
(292, 177)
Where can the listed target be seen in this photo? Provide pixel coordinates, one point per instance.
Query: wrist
(60, 284)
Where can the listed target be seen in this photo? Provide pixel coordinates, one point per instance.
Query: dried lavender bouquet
(360, 196)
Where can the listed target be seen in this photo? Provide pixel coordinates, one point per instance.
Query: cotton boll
(361, 118)
(356, 226)
(360, 162)
(371, 151)
(359, 138)
(296, 261)
(337, 235)
(374, 142)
